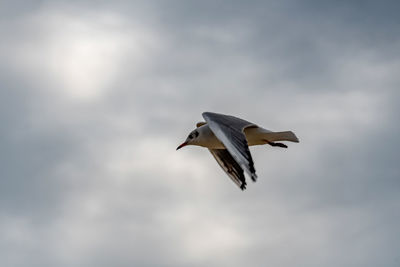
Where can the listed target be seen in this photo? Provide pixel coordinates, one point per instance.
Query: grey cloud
(95, 181)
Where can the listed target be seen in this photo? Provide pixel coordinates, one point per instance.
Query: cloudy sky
(96, 95)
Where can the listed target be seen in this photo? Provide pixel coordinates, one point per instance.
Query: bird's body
(228, 139)
(254, 136)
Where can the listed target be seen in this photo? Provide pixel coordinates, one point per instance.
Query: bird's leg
(276, 144)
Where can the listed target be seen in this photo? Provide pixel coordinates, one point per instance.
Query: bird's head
(192, 139)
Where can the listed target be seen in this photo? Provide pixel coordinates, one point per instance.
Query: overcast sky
(96, 95)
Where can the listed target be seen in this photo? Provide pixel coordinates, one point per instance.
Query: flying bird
(228, 139)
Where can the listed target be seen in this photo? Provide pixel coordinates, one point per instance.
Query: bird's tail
(281, 136)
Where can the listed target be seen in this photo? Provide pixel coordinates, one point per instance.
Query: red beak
(181, 145)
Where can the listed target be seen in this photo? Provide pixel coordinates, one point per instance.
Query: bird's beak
(182, 145)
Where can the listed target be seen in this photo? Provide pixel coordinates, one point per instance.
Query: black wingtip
(243, 186)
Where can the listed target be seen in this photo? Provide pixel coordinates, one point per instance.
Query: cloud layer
(95, 98)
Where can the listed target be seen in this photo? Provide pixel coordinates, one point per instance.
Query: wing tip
(243, 186)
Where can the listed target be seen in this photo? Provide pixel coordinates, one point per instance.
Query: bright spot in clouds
(80, 55)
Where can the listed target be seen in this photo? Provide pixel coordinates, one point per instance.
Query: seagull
(228, 139)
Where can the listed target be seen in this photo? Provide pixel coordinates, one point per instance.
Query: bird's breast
(208, 138)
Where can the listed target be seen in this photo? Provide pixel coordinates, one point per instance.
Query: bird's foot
(276, 144)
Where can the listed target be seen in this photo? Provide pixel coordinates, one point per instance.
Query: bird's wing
(230, 166)
(229, 130)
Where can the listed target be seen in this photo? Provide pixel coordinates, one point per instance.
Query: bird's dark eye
(190, 136)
